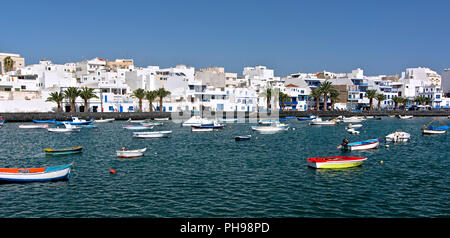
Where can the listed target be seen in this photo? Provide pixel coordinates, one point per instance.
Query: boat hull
(433, 132)
(36, 175)
(335, 162)
(63, 130)
(72, 150)
(130, 153)
(363, 146)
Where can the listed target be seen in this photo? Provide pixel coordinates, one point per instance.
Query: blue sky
(381, 37)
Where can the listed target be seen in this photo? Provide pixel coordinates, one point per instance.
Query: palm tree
(8, 63)
(420, 100)
(427, 100)
(283, 97)
(162, 93)
(325, 88)
(72, 93)
(397, 100)
(334, 95)
(139, 94)
(371, 94)
(268, 95)
(316, 94)
(380, 98)
(57, 97)
(151, 96)
(405, 101)
(86, 94)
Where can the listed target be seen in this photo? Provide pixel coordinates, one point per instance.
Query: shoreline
(67, 116)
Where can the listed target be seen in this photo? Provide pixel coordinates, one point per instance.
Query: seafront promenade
(63, 116)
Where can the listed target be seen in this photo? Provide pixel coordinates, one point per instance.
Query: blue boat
(310, 118)
(35, 174)
(290, 117)
(362, 145)
(47, 121)
(76, 121)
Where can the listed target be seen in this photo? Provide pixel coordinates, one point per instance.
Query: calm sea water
(208, 174)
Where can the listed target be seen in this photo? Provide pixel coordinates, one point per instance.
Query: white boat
(398, 136)
(162, 119)
(270, 129)
(362, 145)
(267, 122)
(137, 121)
(202, 129)
(432, 132)
(33, 126)
(319, 122)
(151, 134)
(352, 119)
(67, 128)
(405, 117)
(197, 121)
(101, 120)
(350, 126)
(131, 127)
(35, 174)
(130, 153)
(352, 131)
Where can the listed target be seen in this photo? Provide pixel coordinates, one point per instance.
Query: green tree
(325, 89)
(57, 97)
(162, 93)
(72, 93)
(267, 94)
(151, 97)
(371, 94)
(8, 63)
(380, 98)
(139, 94)
(283, 97)
(405, 102)
(397, 101)
(86, 94)
(334, 95)
(316, 94)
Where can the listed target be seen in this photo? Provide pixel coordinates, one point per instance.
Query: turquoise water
(208, 174)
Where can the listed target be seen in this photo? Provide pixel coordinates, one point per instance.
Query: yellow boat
(337, 162)
(71, 150)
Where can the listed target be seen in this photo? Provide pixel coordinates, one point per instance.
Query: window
(23, 87)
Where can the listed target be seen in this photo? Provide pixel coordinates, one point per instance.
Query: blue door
(120, 108)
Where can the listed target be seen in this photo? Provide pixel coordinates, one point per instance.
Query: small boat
(214, 125)
(162, 119)
(76, 121)
(151, 134)
(71, 150)
(197, 121)
(267, 122)
(432, 132)
(201, 129)
(398, 136)
(101, 120)
(353, 131)
(130, 153)
(33, 126)
(137, 121)
(68, 128)
(131, 127)
(350, 126)
(336, 162)
(35, 174)
(239, 138)
(362, 145)
(310, 118)
(352, 119)
(45, 122)
(319, 122)
(269, 129)
(405, 117)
